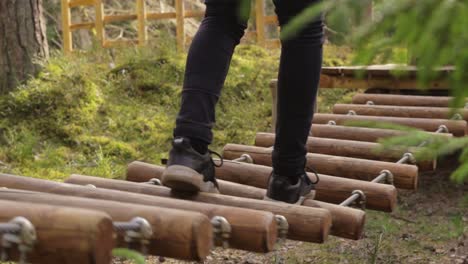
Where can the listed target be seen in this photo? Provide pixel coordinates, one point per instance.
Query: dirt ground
(429, 226)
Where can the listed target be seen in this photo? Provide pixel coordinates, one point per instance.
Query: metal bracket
(246, 158)
(221, 230)
(351, 113)
(410, 157)
(362, 200)
(138, 230)
(331, 123)
(443, 129)
(370, 103)
(154, 181)
(283, 227)
(91, 186)
(21, 233)
(389, 178)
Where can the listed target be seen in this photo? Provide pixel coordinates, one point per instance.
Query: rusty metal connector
(283, 227)
(221, 230)
(246, 158)
(138, 230)
(20, 232)
(154, 181)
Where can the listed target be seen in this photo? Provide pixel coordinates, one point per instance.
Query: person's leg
(190, 167)
(299, 75)
(208, 62)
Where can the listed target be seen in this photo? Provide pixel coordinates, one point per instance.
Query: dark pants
(208, 64)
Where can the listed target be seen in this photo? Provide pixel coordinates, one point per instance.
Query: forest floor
(429, 226)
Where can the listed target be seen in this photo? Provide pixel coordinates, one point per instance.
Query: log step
(64, 235)
(405, 176)
(356, 133)
(252, 230)
(305, 224)
(457, 128)
(403, 100)
(176, 233)
(330, 189)
(349, 148)
(401, 111)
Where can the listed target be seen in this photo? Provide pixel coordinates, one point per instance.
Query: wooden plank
(194, 13)
(176, 233)
(64, 235)
(99, 22)
(119, 43)
(405, 176)
(381, 197)
(260, 21)
(141, 13)
(252, 230)
(75, 3)
(87, 25)
(271, 20)
(157, 16)
(313, 230)
(66, 32)
(180, 26)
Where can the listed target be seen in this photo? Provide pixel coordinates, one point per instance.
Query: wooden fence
(143, 16)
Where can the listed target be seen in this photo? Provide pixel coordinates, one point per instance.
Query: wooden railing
(142, 17)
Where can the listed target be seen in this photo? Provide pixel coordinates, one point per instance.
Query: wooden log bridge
(330, 189)
(349, 148)
(346, 222)
(457, 128)
(357, 133)
(305, 224)
(62, 235)
(176, 233)
(402, 111)
(404, 176)
(252, 230)
(402, 100)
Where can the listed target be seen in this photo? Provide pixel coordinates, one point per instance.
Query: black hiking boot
(189, 171)
(281, 189)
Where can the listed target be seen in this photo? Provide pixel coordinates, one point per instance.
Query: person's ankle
(199, 145)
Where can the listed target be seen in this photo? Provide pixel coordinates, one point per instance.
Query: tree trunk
(22, 41)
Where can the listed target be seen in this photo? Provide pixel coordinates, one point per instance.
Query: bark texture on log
(22, 41)
(64, 235)
(403, 100)
(305, 224)
(176, 233)
(252, 230)
(330, 189)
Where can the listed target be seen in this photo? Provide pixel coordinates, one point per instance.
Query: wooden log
(305, 224)
(346, 222)
(176, 233)
(64, 235)
(357, 133)
(403, 100)
(405, 176)
(330, 189)
(252, 230)
(400, 111)
(349, 148)
(457, 128)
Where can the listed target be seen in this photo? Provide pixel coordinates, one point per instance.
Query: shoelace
(219, 156)
(316, 175)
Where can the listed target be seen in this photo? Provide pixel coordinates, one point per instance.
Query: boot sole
(182, 178)
(301, 200)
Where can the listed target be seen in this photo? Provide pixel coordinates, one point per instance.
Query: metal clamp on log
(138, 230)
(351, 113)
(407, 158)
(19, 232)
(443, 129)
(370, 103)
(331, 123)
(246, 158)
(384, 176)
(283, 227)
(221, 231)
(154, 181)
(357, 197)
